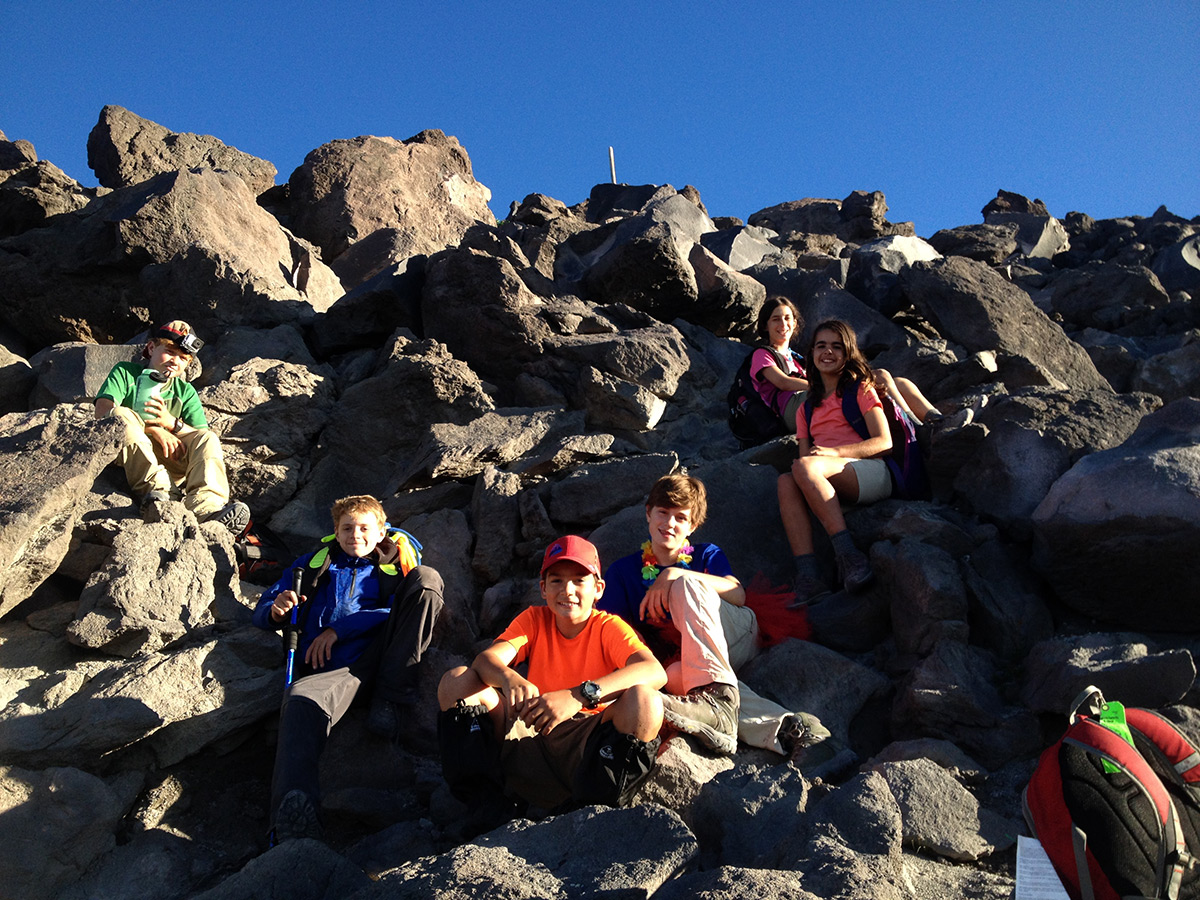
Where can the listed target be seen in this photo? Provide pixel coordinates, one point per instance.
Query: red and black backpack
(1115, 804)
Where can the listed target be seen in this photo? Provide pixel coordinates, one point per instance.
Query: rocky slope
(371, 328)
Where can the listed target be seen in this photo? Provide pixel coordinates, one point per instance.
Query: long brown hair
(857, 370)
(768, 309)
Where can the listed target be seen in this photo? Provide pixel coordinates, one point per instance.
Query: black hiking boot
(709, 712)
(295, 818)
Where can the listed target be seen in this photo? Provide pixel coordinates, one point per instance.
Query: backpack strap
(1182, 754)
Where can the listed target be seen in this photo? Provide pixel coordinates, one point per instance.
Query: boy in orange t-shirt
(581, 727)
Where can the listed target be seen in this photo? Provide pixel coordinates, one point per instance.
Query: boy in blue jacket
(365, 617)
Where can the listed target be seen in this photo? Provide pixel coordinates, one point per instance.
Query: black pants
(315, 703)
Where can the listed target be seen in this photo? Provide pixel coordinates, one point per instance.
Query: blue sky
(1089, 106)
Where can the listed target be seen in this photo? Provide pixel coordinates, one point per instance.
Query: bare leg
(822, 479)
(794, 513)
(905, 394)
(462, 683)
(638, 711)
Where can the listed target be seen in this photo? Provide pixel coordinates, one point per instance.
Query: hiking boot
(807, 590)
(799, 732)
(855, 570)
(709, 712)
(296, 818)
(234, 516)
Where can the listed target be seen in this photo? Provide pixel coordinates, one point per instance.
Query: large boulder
(969, 303)
(874, 266)
(192, 245)
(48, 461)
(1126, 514)
(1178, 266)
(125, 149)
(421, 187)
(34, 192)
(859, 217)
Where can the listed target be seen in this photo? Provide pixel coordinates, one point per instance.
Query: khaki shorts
(541, 767)
(874, 480)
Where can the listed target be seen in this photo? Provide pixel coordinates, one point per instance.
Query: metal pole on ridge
(612, 165)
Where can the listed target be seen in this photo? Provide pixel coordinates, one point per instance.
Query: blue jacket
(347, 599)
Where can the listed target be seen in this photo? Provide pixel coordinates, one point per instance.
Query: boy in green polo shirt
(167, 440)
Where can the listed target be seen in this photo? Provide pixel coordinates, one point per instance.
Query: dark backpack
(751, 420)
(261, 554)
(1116, 804)
(909, 478)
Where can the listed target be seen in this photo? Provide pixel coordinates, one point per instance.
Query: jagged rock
(383, 250)
(423, 187)
(170, 705)
(1178, 266)
(835, 870)
(1038, 236)
(58, 821)
(952, 694)
(446, 539)
(370, 313)
(1124, 666)
(295, 870)
(862, 814)
(377, 423)
(617, 404)
(17, 379)
(733, 883)
(124, 149)
(870, 327)
(872, 276)
(1109, 297)
(929, 599)
(193, 245)
(817, 680)
(1011, 202)
(859, 217)
(740, 247)
(1007, 614)
(678, 777)
(728, 301)
(741, 815)
(974, 306)
(48, 461)
(1032, 439)
(268, 415)
(594, 492)
(15, 154)
(1116, 358)
(643, 262)
(852, 623)
(494, 438)
(944, 753)
(464, 286)
(990, 244)
(1172, 375)
(496, 513)
(1120, 513)
(939, 814)
(159, 584)
(653, 357)
(36, 192)
(73, 372)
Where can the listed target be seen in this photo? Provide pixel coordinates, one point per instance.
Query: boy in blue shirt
(365, 616)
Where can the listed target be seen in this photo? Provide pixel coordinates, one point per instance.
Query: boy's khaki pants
(201, 472)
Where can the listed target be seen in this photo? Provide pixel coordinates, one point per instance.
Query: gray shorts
(874, 480)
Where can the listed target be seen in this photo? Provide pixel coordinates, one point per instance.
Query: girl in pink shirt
(834, 461)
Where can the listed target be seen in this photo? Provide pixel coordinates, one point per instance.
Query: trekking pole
(291, 631)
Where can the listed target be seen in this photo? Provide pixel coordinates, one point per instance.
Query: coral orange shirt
(557, 663)
(829, 425)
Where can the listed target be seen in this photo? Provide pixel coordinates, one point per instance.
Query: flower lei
(651, 568)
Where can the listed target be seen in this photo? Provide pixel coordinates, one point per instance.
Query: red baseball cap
(575, 549)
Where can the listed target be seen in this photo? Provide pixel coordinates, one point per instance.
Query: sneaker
(709, 712)
(234, 516)
(296, 818)
(855, 570)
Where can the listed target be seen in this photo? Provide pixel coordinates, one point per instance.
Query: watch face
(591, 692)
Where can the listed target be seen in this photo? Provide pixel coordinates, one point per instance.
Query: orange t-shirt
(829, 425)
(557, 663)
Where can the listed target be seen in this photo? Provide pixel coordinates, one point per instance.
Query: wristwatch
(178, 425)
(591, 694)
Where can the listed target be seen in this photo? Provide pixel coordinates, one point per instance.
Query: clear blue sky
(1090, 106)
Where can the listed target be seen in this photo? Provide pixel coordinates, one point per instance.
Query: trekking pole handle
(291, 631)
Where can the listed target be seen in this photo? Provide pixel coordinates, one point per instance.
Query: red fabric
(776, 623)
(1167, 736)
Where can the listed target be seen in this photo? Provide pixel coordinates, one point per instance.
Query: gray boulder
(422, 187)
(939, 814)
(17, 379)
(124, 149)
(73, 372)
(1178, 266)
(370, 313)
(728, 301)
(1125, 667)
(162, 582)
(1109, 297)
(929, 599)
(1007, 612)
(34, 191)
(58, 821)
(990, 244)
(48, 461)
(592, 493)
(1172, 375)
(969, 303)
(1123, 512)
(740, 247)
(742, 815)
(1038, 236)
(295, 870)
(874, 267)
(1032, 439)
